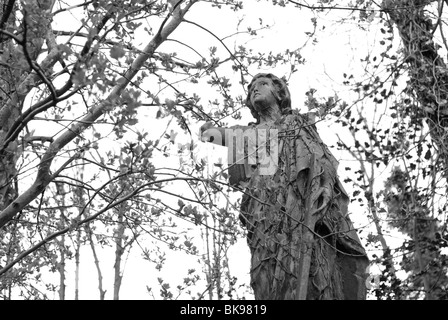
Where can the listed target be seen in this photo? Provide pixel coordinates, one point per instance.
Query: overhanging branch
(43, 177)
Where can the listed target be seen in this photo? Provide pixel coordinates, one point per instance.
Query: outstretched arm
(210, 133)
(217, 135)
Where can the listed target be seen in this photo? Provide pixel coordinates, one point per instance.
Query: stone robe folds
(277, 210)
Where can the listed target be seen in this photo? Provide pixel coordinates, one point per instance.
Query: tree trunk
(97, 263)
(10, 252)
(9, 112)
(208, 264)
(119, 250)
(16, 82)
(62, 269)
(427, 70)
(429, 85)
(77, 260)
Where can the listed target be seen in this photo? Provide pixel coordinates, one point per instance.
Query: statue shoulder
(308, 118)
(251, 125)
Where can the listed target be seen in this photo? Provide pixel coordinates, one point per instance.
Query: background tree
(398, 127)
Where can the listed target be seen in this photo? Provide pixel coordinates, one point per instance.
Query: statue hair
(282, 95)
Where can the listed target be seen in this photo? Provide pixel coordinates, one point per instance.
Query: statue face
(262, 94)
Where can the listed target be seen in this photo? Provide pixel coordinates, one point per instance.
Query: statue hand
(206, 126)
(203, 131)
(210, 133)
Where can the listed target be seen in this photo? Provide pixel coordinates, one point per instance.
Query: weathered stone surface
(297, 220)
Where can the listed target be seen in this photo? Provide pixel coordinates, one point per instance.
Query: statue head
(281, 94)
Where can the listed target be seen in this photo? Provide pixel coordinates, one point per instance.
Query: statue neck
(270, 114)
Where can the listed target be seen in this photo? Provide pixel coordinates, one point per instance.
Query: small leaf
(117, 52)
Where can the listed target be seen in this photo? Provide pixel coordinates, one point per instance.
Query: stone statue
(302, 242)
